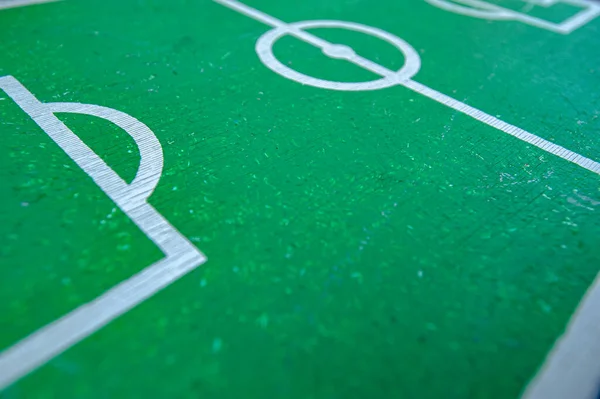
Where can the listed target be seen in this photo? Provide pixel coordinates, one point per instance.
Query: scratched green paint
(360, 245)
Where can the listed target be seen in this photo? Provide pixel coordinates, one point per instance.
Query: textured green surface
(361, 245)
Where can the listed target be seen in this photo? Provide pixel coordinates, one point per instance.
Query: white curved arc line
(475, 113)
(359, 60)
(181, 256)
(412, 64)
(579, 345)
(151, 157)
(85, 158)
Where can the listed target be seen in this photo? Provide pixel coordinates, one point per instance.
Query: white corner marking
(180, 255)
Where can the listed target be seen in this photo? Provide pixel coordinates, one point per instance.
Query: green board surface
(367, 244)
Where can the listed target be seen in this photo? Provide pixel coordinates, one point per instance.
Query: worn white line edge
(420, 88)
(60, 335)
(571, 369)
(22, 3)
(507, 128)
(181, 256)
(483, 10)
(584, 325)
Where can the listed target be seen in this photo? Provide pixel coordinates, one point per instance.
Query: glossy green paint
(360, 245)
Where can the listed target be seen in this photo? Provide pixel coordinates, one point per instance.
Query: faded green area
(360, 245)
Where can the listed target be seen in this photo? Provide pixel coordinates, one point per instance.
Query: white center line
(571, 368)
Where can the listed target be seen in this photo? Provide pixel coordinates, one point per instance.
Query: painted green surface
(361, 245)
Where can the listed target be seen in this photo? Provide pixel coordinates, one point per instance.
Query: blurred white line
(22, 3)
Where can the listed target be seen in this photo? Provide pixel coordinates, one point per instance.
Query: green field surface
(368, 244)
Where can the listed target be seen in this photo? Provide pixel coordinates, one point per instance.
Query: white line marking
(180, 255)
(4, 4)
(542, 3)
(582, 18)
(507, 128)
(252, 13)
(571, 369)
(485, 10)
(264, 48)
(275, 23)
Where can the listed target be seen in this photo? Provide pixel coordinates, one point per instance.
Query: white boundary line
(483, 10)
(402, 78)
(180, 255)
(4, 4)
(572, 368)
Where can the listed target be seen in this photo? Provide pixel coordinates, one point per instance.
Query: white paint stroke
(264, 49)
(571, 369)
(4, 4)
(389, 77)
(180, 255)
(507, 128)
(484, 10)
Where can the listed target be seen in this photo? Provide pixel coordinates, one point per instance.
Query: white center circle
(264, 49)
